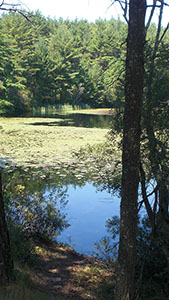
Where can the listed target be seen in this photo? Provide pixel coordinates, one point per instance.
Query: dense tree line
(48, 61)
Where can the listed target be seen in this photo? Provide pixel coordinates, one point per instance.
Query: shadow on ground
(62, 272)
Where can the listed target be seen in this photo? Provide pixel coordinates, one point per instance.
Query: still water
(87, 212)
(83, 204)
(77, 120)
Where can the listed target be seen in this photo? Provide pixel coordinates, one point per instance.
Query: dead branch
(15, 8)
(165, 30)
(151, 14)
(124, 7)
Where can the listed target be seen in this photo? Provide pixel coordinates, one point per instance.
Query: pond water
(85, 205)
(90, 201)
(78, 120)
(87, 209)
(87, 212)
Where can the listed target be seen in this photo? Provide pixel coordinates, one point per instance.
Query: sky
(72, 9)
(80, 9)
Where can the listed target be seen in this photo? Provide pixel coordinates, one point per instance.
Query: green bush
(6, 107)
(22, 248)
(35, 213)
(152, 271)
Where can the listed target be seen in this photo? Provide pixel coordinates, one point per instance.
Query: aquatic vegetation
(70, 155)
(23, 143)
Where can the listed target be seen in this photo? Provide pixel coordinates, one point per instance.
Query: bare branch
(165, 30)
(124, 7)
(118, 77)
(164, 3)
(153, 7)
(8, 6)
(151, 14)
(158, 29)
(15, 8)
(158, 6)
(2, 3)
(13, 5)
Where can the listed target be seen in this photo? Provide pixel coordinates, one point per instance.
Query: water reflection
(77, 120)
(87, 212)
(38, 199)
(33, 204)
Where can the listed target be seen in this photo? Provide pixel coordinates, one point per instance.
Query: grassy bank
(31, 141)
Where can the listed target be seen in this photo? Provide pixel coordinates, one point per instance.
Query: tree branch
(2, 3)
(13, 8)
(151, 14)
(164, 3)
(124, 7)
(158, 29)
(150, 194)
(8, 4)
(165, 30)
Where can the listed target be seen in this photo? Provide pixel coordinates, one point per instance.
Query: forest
(108, 66)
(50, 62)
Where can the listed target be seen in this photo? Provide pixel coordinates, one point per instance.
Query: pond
(88, 204)
(87, 212)
(101, 120)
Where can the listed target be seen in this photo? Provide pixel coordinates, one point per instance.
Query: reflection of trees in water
(35, 198)
(75, 119)
(35, 203)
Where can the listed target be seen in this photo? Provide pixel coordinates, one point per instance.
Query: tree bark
(6, 264)
(131, 150)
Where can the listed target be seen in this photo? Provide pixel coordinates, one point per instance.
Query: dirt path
(62, 272)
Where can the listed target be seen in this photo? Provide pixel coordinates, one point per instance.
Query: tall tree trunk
(6, 264)
(131, 149)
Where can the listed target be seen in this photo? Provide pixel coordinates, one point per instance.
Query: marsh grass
(60, 108)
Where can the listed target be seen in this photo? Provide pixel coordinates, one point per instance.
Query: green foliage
(57, 62)
(151, 265)
(160, 86)
(103, 164)
(151, 278)
(75, 62)
(107, 247)
(22, 249)
(6, 107)
(31, 209)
